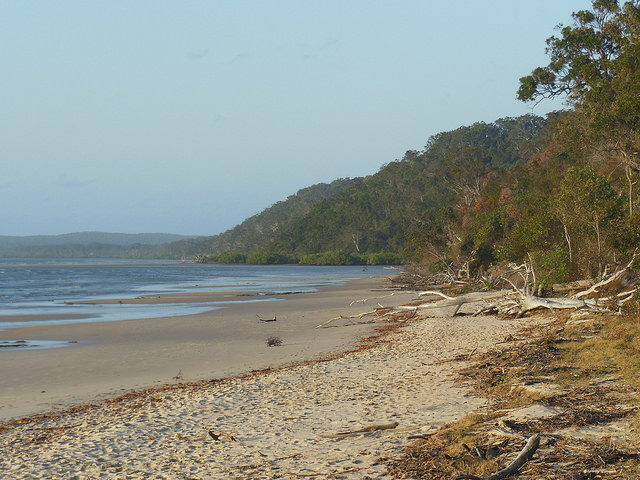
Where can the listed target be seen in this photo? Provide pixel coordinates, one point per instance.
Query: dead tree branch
(617, 275)
(525, 454)
(522, 300)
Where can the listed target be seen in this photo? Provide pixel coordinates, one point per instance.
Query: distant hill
(83, 238)
(252, 234)
(84, 244)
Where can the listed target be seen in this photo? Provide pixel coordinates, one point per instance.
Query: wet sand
(108, 358)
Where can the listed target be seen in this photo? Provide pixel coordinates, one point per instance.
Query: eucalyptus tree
(595, 64)
(585, 202)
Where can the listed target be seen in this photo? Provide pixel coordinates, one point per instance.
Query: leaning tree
(595, 64)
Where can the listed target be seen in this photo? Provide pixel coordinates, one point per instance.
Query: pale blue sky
(189, 116)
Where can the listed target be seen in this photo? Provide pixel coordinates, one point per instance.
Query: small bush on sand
(274, 342)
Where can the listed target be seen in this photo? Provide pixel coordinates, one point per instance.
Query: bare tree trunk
(568, 239)
(597, 228)
(627, 172)
(356, 240)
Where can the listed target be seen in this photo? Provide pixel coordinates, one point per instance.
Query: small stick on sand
(369, 429)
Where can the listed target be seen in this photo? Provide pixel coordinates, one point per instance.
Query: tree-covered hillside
(560, 193)
(259, 230)
(373, 215)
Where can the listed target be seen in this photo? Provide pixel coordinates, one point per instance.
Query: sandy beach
(327, 419)
(110, 358)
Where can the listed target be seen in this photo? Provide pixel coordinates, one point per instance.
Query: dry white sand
(279, 424)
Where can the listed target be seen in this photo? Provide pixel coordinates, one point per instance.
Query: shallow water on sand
(47, 292)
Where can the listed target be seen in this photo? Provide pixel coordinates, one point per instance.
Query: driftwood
(525, 454)
(369, 429)
(457, 302)
(375, 311)
(518, 301)
(217, 436)
(266, 319)
(522, 300)
(607, 280)
(571, 286)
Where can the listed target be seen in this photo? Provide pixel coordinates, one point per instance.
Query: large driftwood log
(521, 300)
(518, 301)
(565, 288)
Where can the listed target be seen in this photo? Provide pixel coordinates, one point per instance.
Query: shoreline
(110, 358)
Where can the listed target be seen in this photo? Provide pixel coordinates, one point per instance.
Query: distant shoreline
(48, 294)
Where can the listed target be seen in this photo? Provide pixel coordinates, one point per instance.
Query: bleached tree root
(522, 300)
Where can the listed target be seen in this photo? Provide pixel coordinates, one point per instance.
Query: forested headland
(386, 217)
(560, 192)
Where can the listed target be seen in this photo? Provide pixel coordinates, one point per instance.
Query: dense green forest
(261, 229)
(571, 208)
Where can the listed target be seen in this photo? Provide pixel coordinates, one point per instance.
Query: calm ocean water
(46, 287)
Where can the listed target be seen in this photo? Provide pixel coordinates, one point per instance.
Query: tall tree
(586, 202)
(596, 64)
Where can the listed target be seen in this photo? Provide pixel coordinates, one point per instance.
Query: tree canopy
(595, 64)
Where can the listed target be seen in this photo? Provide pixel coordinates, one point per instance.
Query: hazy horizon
(188, 118)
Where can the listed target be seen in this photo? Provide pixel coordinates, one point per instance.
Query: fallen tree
(522, 300)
